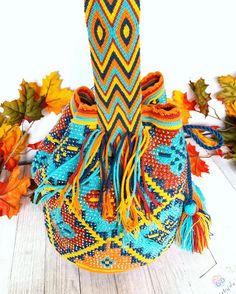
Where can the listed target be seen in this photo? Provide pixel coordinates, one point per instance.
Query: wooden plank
(184, 269)
(97, 283)
(27, 274)
(61, 276)
(178, 272)
(38, 268)
(221, 202)
(7, 233)
(135, 282)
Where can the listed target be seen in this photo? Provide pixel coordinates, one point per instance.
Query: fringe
(193, 233)
(121, 170)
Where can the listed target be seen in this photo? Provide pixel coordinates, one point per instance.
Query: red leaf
(35, 146)
(219, 152)
(198, 166)
(215, 127)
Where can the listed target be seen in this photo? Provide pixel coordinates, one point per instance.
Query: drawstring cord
(189, 130)
(193, 232)
(125, 171)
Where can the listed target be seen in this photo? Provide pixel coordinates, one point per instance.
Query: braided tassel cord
(193, 233)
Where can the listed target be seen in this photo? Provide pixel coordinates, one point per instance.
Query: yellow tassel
(193, 233)
(129, 207)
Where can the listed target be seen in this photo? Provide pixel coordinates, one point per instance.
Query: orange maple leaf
(11, 192)
(181, 100)
(198, 166)
(11, 139)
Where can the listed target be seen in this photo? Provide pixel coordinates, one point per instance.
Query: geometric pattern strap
(113, 30)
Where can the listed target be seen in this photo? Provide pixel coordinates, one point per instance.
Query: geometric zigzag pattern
(113, 28)
(86, 238)
(99, 245)
(103, 254)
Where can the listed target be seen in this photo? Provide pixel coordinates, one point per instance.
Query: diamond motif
(99, 29)
(99, 32)
(126, 31)
(107, 262)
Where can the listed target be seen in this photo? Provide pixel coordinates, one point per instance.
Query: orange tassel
(193, 233)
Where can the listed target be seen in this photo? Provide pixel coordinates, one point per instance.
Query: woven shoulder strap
(113, 29)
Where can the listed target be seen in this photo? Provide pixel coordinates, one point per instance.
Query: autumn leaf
(232, 153)
(12, 143)
(219, 152)
(11, 192)
(2, 119)
(229, 136)
(55, 96)
(228, 92)
(181, 100)
(27, 106)
(36, 89)
(202, 97)
(4, 129)
(198, 166)
(35, 146)
(231, 109)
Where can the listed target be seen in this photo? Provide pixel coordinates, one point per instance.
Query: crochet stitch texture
(113, 174)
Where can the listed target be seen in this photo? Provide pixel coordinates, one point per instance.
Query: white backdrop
(184, 39)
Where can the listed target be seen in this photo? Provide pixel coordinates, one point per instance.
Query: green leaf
(231, 154)
(202, 97)
(229, 136)
(2, 119)
(26, 107)
(228, 92)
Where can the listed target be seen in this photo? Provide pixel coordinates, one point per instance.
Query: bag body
(114, 173)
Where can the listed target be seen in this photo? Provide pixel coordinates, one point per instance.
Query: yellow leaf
(181, 100)
(4, 129)
(228, 89)
(231, 109)
(9, 141)
(55, 96)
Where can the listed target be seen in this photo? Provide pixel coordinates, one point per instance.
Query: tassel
(84, 166)
(126, 182)
(193, 233)
(120, 167)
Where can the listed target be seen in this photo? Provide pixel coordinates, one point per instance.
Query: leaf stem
(18, 144)
(217, 117)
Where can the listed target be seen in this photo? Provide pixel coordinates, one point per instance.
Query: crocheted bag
(114, 174)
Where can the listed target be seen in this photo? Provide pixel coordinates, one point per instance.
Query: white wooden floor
(28, 263)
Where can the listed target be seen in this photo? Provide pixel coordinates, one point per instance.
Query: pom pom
(193, 233)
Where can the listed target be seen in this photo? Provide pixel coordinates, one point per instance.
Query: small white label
(218, 280)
